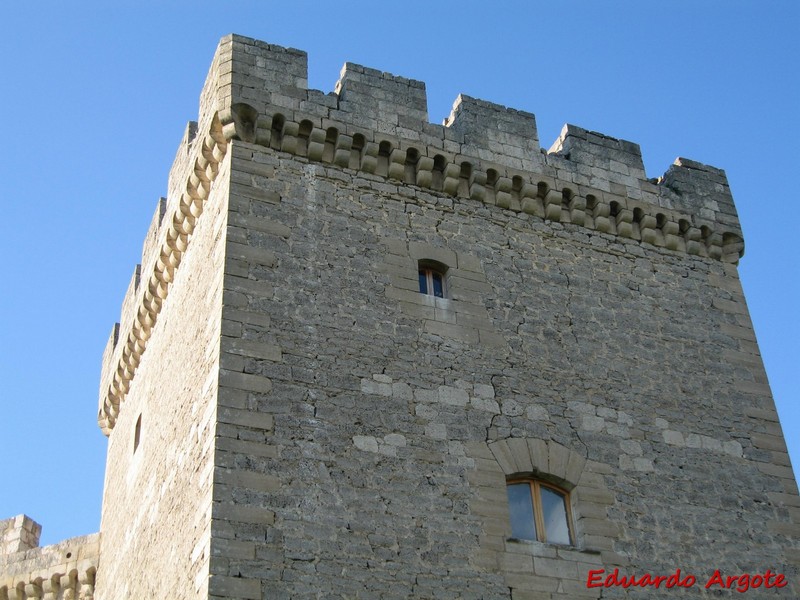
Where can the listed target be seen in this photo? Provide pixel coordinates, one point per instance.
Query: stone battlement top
(63, 568)
(384, 108)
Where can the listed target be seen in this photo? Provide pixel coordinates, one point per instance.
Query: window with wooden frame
(539, 511)
(432, 280)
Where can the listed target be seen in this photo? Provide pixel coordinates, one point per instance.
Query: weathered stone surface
(63, 570)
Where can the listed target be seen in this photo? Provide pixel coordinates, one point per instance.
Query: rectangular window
(431, 282)
(539, 511)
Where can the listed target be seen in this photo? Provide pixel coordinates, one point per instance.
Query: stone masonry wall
(157, 503)
(379, 418)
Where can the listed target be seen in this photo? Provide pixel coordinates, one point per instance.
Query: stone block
(234, 587)
(484, 391)
(245, 418)
(245, 447)
(369, 386)
(515, 562)
(518, 448)
(485, 404)
(674, 438)
(555, 567)
(251, 348)
(531, 582)
(574, 468)
(251, 254)
(365, 442)
(242, 513)
(558, 458)
(249, 287)
(425, 251)
(245, 381)
(247, 479)
(453, 396)
(504, 456)
(448, 330)
(540, 455)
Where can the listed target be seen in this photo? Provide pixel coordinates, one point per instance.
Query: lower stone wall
(65, 570)
(19, 533)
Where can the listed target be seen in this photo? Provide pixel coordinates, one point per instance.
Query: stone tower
(366, 356)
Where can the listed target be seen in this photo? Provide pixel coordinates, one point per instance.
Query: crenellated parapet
(63, 571)
(377, 124)
(18, 534)
(166, 242)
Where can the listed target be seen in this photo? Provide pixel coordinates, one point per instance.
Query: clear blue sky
(96, 96)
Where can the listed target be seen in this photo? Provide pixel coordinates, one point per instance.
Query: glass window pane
(423, 282)
(438, 288)
(554, 511)
(521, 511)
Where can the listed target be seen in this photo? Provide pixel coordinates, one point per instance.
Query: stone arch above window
(520, 561)
(557, 463)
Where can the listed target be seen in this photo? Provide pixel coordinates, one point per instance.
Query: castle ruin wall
(64, 570)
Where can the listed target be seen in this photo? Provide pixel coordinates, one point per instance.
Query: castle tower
(366, 356)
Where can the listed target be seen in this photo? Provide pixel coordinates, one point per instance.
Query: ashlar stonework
(289, 417)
